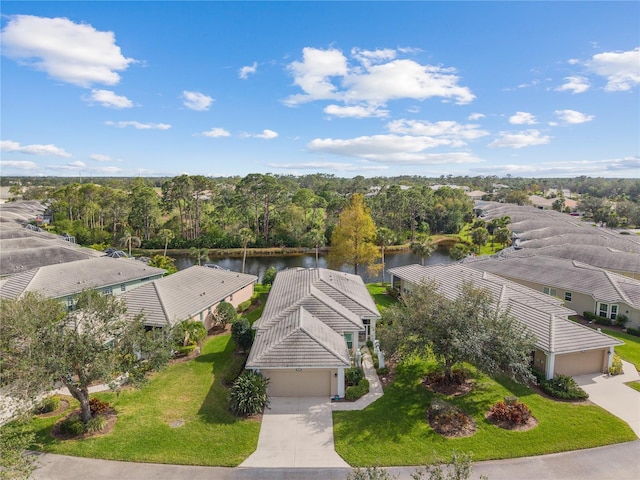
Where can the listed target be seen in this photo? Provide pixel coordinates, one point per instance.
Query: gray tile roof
(339, 299)
(569, 275)
(64, 279)
(544, 316)
(186, 293)
(298, 340)
(22, 249)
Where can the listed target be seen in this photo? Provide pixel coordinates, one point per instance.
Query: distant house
(562, 346)
(311, 322)
(190, 294)
(581, 287)
(64, 281)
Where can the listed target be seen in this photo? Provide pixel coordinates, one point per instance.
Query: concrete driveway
(296, 432)
(611, 393)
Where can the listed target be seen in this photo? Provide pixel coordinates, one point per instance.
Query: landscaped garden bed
(394, 430)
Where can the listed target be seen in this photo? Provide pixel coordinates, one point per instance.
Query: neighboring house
(582, 287)
(562, 346)
(312, 321)
(190, 294)
(64, 281)
(476, 194)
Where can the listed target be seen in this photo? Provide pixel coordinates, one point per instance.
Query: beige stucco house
(313, 320)
(562, 346)
(190, 294)
(582, 288)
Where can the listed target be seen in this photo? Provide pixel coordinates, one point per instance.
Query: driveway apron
(296, 432)
(611, 393)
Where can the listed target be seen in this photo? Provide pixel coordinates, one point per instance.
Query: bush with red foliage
(98, 406)
(516, 413)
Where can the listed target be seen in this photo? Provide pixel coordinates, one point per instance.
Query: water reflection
(258, 265)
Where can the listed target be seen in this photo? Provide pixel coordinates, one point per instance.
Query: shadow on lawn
(214, 408)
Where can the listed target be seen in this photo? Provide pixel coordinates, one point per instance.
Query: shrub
(511, 400)
(356, 391)
(592, 317)
(189, 332)
(49, 404)
(72, 426)
(616, 365)
(563, 387)
(242, 334)
(353, 375)
(269, 276)
(248, 395)
(516, 413)
(187, 349)
(370, 473)
(369, 344)
(392, 292)
(234, 370)
(97, 406)
(383, 371)
(244, 306)
(225, 314)
(96, 424)
(622, 320)
(633, 331)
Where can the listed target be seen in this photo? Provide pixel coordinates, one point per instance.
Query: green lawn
(634, 385)
(379, 293)
(630, 351)
(394, 430)
(191, 391)
(262, 292)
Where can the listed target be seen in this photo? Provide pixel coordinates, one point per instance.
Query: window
(603, 310)
(550, 291)
(614, 312)
(349, 338)
(567, 296)
(70, 304)
(108, 291)
(123, 288)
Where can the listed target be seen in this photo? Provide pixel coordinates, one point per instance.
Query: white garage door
(305, 383)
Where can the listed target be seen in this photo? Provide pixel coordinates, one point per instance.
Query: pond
(258, 265)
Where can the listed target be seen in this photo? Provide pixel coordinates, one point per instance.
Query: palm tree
(167, 235)
(385, 237)
(423, 247)
(128, 239)
(317, 239)
(246, 236)
(502, 236)
(199, 254)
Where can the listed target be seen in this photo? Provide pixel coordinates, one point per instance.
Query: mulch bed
(518, 427)
(110, 415)
(460, 426)
(436, 384)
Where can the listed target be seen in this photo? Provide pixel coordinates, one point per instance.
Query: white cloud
(19, 164)
(98, 157)
(522, 118)
(456, 133)
(575, 84)
(405, 149)
(196, 100)
(476, 116)
(216, 133)
(71, 52)
(11, 146)
(355, 111)
(247, 70)
(522, 139)
(621, 69)
(372, 79)
(594, 168)
(266, 134)
(335, 166)
(139, 125)
(107, 98)
(77, 163)
(573, 117)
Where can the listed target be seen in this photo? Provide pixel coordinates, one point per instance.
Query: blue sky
(531, 89)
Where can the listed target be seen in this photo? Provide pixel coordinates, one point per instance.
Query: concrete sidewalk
(296, 432)
(375, 389)
(611, 393)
